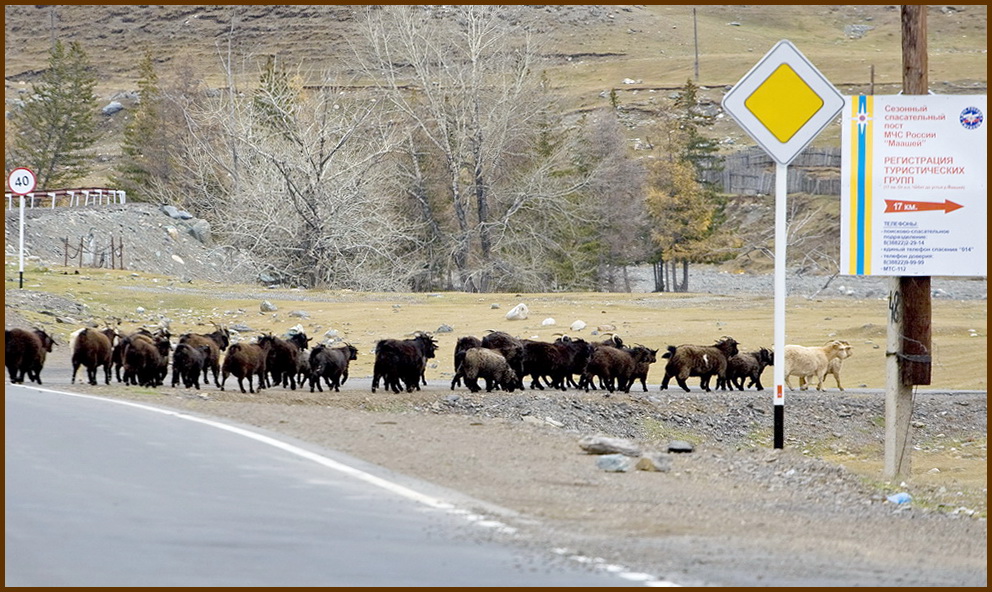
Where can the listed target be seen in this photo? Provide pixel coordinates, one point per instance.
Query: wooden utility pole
(908, 347)
(695, 41)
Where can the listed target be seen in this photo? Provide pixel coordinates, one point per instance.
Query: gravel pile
(709, 279)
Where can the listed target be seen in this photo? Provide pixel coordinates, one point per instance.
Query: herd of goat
(500, 360)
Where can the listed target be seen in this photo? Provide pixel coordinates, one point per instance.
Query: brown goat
(703, 361)
(617, 367)
(24, 353)
(146, 359)
(748, 365)
(92, 349)
(245, 360)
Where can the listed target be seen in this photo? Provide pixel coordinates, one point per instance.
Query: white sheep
(832, 368)
(806, 362)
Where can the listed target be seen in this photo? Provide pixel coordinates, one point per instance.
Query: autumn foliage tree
(686, 211)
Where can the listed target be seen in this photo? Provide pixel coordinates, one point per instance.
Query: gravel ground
(734, 511)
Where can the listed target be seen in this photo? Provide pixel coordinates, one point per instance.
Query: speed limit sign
(21, 181)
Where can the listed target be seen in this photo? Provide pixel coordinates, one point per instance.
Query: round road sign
(21, 181)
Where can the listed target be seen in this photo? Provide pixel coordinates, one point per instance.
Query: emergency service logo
(971, 117)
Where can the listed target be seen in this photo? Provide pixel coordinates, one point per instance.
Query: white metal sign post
(21, 182)
(782, 103)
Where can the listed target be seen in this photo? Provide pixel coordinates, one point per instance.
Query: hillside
(642, 52)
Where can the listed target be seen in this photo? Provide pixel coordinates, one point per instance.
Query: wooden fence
(816, 171)
(89, 253)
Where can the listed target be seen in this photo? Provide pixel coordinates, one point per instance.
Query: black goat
(282, 363)
(511, 348)
(402, 360)
(461, 346)
(188, 363)
(617, 367)
(146, 359)
(331, 364)
(748, 365)
(216, 342)
(554, 362)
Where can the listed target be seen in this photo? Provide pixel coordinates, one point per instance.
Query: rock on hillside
(178, 246)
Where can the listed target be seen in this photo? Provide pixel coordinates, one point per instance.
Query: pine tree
(145, 158)
(55, 128)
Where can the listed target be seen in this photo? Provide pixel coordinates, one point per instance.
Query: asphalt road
(102, 492)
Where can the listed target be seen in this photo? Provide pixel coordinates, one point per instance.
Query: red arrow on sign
(895, 205)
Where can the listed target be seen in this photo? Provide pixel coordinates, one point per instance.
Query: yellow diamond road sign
(783, 102)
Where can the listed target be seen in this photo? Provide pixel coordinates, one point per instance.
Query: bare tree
(294, 175)
(615, 193)
(465, 81)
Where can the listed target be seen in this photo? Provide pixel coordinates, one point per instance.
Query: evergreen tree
(56, 126)
(693, 145)
(146, 157)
